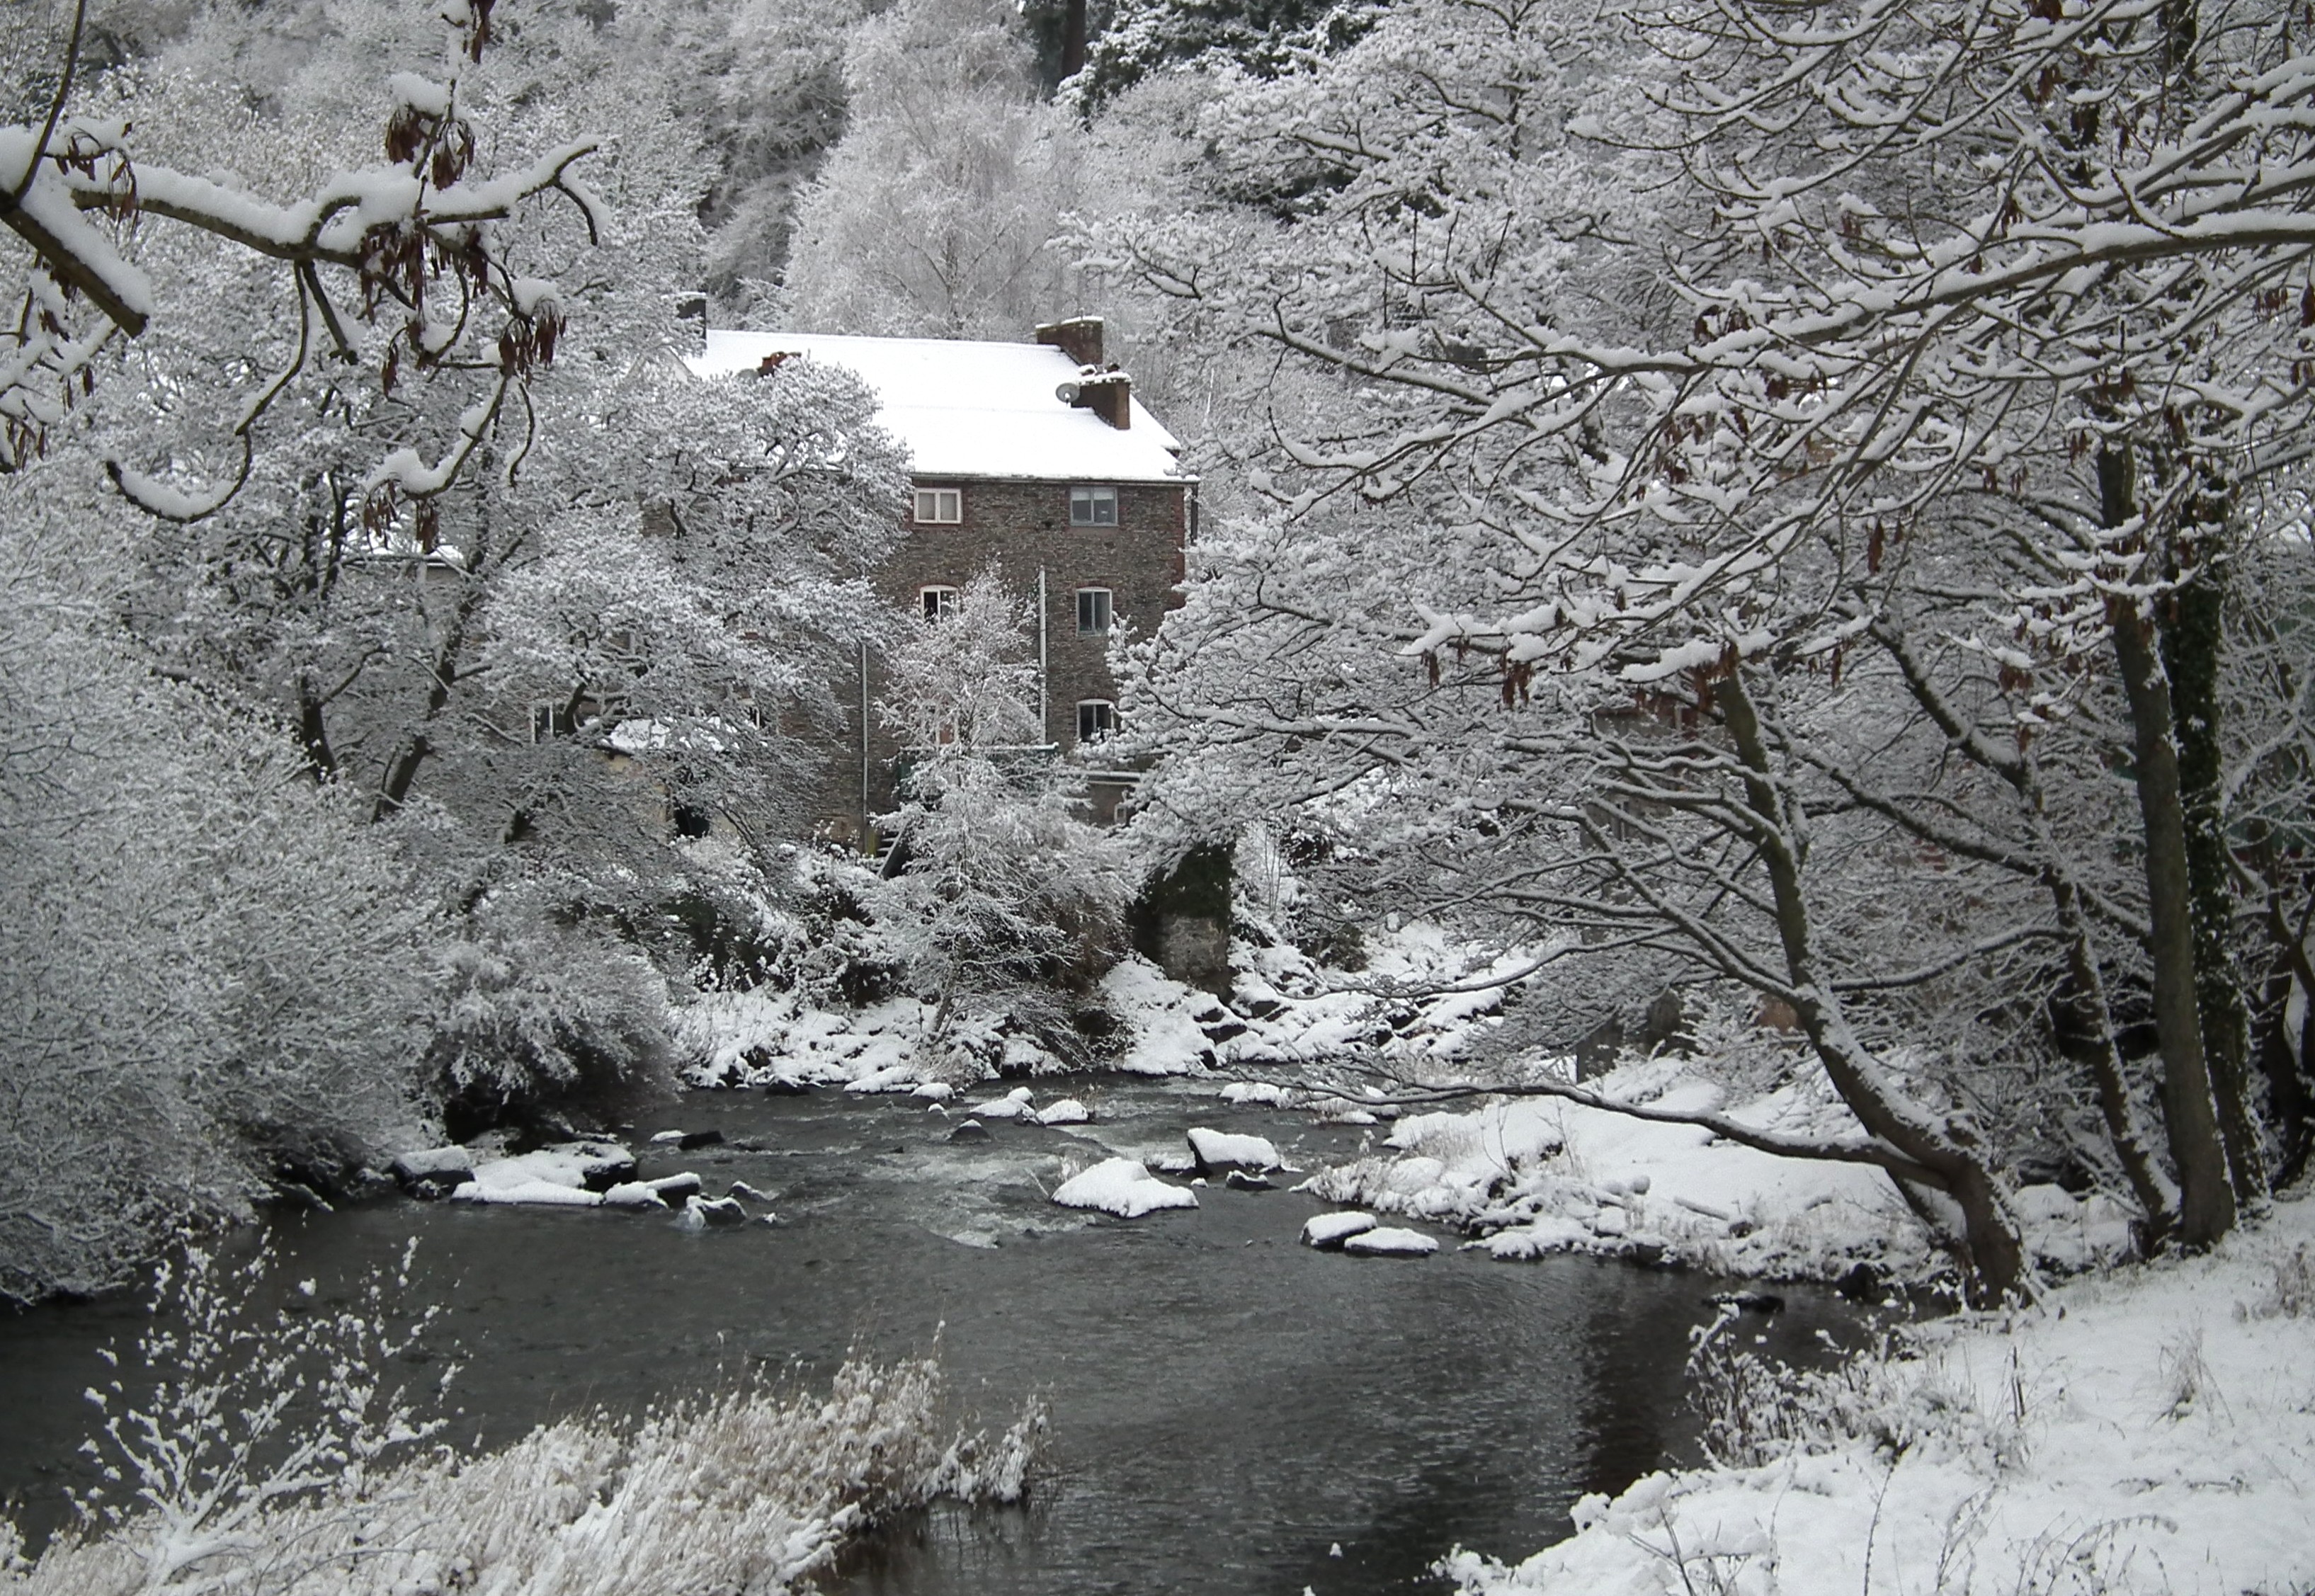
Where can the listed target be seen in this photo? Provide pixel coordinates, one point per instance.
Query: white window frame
(1107, 712)
(1087, 504)
(1106, 603)
(937, 600)
(939, 506)
(550, 718)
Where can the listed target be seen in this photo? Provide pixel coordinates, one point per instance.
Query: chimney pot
(1078, 337)
(1109, 394)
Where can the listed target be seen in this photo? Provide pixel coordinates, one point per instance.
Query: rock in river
(1121, 1187)
(1219, 1152)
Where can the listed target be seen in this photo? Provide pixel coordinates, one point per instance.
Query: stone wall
(1024, 527)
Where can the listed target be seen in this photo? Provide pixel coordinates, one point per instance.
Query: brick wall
(1024, 527)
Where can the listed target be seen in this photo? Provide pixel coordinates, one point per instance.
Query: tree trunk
(2283, 1057)
(1992, 1256)
(2108, 1073)
(2206, 1206)
(2192, 642)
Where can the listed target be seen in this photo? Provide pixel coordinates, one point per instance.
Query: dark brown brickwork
(1024, 527)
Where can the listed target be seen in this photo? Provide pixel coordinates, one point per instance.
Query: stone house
(1036, 455)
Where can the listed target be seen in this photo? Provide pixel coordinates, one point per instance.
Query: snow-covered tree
(996, 881)
(935, 214)
(1803, 439)
(216, 977)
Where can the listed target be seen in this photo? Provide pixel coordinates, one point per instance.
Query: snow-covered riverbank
(2150, 1430)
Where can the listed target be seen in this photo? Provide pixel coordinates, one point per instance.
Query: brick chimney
(1109, 394)
(1078, 338)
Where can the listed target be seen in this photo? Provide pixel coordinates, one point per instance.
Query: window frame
(1108, 607)
(1095, 497)
(936, 601)
(1105, 717)
(925, 505)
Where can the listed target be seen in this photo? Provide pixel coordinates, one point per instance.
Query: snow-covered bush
(213, 974)
(1754, 1410)
(542, 1013)
(231, 1483)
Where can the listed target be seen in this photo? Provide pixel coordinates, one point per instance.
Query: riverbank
(2148, 1430)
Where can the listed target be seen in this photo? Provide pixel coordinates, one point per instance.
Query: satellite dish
(1067, 393)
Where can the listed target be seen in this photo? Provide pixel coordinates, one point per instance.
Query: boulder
(1329, 1230)
(742, 1189)
(970, 1130)
(1219, 1152)
(1764, 1303)
(1069, 1111)
(692, 1139)
(781, 1085)
(1240, 1181)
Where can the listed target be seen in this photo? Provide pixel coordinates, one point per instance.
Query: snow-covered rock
(1123, 1187)
(586, 1167)
(933, 1091)
(1332, 1229)
(1390, 1242)
(1069, 1111)
(1220, 1151)
(434, 1162)
(969, 1130)
(1013, 1106)
(529, 1194)
(711, 1213)
(651, 1193)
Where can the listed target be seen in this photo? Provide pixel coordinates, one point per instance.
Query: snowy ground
(2148, 1430)
(1539, 1176)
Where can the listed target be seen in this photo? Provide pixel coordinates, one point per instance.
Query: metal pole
(866, 839)
(1044, 713)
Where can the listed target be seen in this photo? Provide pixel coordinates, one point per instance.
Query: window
(1093, 611)
(1097, 719)
(1093, 507)
(937, 602)
(940, 507)
(549, 719)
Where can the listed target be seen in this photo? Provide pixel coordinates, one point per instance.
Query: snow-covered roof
(972, 409)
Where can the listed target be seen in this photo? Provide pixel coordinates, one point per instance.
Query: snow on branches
(414, 247)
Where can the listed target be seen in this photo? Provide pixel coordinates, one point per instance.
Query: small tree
(996, 881)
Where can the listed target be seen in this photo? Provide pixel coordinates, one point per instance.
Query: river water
(1231, 1412)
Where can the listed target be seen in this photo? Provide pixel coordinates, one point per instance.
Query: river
(1232, 1413)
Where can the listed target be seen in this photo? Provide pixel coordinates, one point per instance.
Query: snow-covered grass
(745, 1491)
(2148, 1430)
